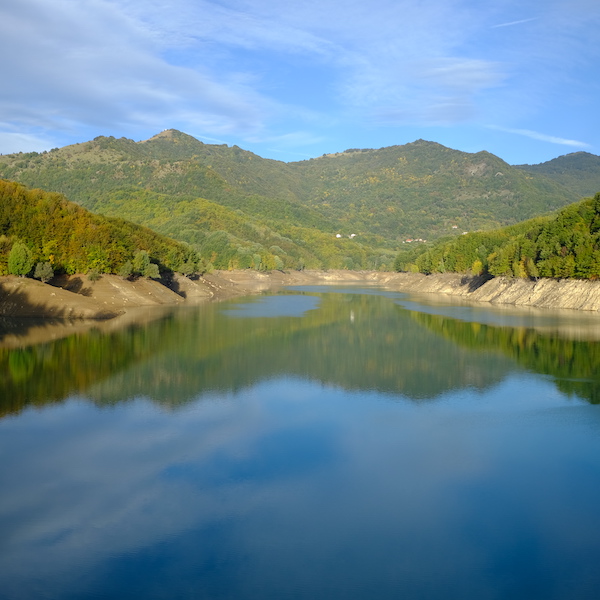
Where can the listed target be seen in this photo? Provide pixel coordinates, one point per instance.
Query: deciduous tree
(20, 259)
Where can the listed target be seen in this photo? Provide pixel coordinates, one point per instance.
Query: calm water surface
(321, 443)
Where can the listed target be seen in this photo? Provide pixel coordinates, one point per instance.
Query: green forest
(43, 228)
(239, 210)
(231, 209)
(563, 245)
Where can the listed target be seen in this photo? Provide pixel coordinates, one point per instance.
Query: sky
(297, 79)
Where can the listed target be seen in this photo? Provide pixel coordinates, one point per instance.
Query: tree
(477, 267)
(20, 260)
(44, 272)
(152, 271)
(141, 262)
(188, 268)
(125, 270)
(142, 265)
(531, 268)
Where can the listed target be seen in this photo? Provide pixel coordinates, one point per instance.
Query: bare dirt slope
(76, 297)
(21, 297)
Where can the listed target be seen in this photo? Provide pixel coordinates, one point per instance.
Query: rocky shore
(572, 294)
(76, 297)
(545, 293)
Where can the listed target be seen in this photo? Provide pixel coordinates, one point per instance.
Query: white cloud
(230, 69)
(534, 135)
(89, 63)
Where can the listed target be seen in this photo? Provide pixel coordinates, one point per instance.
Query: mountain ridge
(578, 170)
(174, 182)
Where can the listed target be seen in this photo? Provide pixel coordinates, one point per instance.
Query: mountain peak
(172, 134)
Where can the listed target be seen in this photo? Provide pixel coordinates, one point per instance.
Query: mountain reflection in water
(320, 443)
(366, 341)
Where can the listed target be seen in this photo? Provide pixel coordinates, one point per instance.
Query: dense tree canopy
(564, 245)
(42, 227)
(194, 192)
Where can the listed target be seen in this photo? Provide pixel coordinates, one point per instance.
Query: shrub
(44, 272)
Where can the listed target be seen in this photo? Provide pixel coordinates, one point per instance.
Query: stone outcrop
(545, 293)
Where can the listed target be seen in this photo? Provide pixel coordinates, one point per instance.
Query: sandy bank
(32, 312)
(76, 297)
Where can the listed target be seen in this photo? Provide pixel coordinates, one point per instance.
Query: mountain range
(351, 209)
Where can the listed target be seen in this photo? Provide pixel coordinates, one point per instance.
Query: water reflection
(256, 450)
(356, 341)
(291, 489)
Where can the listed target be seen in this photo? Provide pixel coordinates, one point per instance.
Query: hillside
(425, 190)
(563, 245)
(579, 171)
(201, 194)
(241, 210)
(71, 239)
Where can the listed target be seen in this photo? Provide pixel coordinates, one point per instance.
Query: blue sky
(297, 79)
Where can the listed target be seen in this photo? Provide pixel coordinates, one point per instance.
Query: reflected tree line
(574, 364)
(353, 341)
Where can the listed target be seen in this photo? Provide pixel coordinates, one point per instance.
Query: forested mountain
(425, 190)
(202, 194)
(241, 210)
(566, 244)
(48, 229)
(579, 171)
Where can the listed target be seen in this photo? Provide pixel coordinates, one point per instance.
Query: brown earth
(76, 297)
(573, 294)
(32, 312)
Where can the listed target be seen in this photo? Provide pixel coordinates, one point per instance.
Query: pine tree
(44, 272)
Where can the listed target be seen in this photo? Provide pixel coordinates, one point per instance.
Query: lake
(318, 443)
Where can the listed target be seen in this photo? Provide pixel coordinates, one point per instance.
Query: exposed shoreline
(559, 294)
(572, 294)
(77, 297)
(32, 312)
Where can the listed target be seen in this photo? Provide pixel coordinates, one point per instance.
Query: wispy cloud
(511, 23)
(91, 63)
(10, 140)
(246, 71)
(541, 136)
